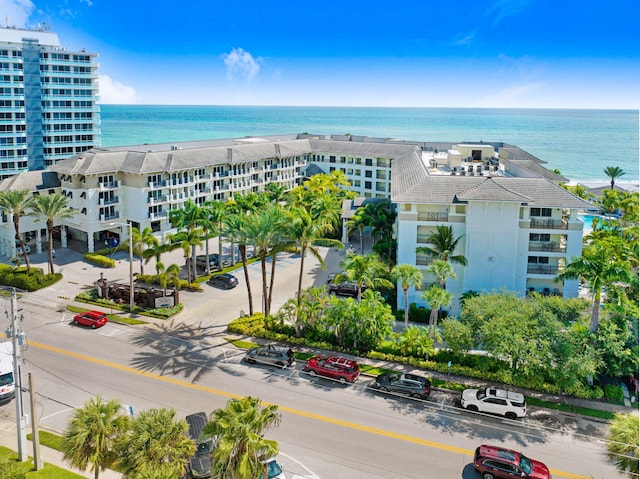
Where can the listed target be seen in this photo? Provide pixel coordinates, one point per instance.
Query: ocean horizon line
(173, 105)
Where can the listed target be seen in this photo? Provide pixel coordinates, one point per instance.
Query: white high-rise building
(48, 101)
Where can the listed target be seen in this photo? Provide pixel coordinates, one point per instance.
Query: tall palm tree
(304, 230)
(187, 219)
(443, 246)
(437, 298)
(92, 435)
(442, 271)
(143, 240)
(407, 275)
(266, 229)
(168, 275)
(17, 204)
(358, 221)
(188, 240)
(365, 270)
(238, 431)
(157, 442)
(601, 268)
(235, 229)
(52, 207)
(613, 172)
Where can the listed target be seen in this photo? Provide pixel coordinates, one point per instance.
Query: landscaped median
(11, 468)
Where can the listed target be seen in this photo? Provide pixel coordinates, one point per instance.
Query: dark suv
(344, 289)
(224, 281)
(274, 355)
(404, 383)
(200, 462)
(493, 462)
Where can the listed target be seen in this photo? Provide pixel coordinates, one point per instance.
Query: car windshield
(6, 379)
(481, 394)
(525, 464)
(273, 469)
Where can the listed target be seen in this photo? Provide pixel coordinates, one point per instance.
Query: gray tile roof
(98, 160)
(31, 180)
(490, 190)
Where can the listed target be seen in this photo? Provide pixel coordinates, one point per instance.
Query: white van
(7, 381)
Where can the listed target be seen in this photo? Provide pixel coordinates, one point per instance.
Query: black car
(224, 281)
(275, 355)
(344, 289)
(404, 383)
(200, 462)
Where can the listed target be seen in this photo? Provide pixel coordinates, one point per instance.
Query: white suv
(496, 401)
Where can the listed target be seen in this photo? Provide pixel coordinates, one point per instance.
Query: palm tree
(437, 298)
(52, 207)
(613, 172)
(238, 431)
(188, 240)
(443, 246)
(92, 435)
(157, 442)
(304, 230)
(442, 271)
(407, 275)
(167, 276)
(17, 203)
(601, 268)
(187, 219)
(365, 270)
(358, 221)
(143, 240)
(622, 445)
(415, 341)
(236, 230)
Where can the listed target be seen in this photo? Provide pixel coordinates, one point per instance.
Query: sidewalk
(9, 439)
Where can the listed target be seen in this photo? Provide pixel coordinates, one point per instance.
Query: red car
(494, 462)
(93, 319)
(333, 367)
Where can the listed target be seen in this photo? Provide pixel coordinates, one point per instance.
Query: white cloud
(506, 8)
(112, 91)
(16, 12)
(241, 63)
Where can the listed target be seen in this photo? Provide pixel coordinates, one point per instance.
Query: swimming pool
(588, 220)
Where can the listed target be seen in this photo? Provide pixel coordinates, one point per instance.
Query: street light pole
(131, 296)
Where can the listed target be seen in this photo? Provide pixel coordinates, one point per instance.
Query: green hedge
(99, 260)
(27, 280)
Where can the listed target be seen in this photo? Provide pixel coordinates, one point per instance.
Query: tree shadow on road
(177, 349)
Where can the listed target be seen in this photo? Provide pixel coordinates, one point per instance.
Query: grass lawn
(8, 464)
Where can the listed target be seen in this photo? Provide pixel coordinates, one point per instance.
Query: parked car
(19, 248)
(495, 401)
(200, 462)
(344, 289)
(93, 319)
(201, 261)
(224, 281)
(333, 367)
(494, 462)
(274, 355)
(404, 383)
(274, 470)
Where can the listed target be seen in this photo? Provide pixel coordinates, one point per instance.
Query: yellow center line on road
(297, 412)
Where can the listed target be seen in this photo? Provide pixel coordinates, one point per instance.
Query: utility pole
(37, 459)
(17, 338)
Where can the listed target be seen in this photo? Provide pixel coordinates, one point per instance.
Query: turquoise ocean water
(580, 143)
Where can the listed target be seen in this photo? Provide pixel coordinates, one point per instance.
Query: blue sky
(467, 53)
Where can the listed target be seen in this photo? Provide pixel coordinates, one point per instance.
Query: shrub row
(469, 365)
(99, 260)
(27, 280)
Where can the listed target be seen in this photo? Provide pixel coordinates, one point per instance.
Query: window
(541, 212)
(368, 174)
(544, 237)
(367, 185)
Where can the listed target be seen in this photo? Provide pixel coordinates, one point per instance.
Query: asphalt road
(327, 431)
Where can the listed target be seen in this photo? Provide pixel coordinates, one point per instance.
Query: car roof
(341, 360)
(495, 452)
(197, 421)
(94, 314)
(504, 394)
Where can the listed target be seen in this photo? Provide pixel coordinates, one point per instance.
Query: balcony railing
(158, 199)
(548, 223)
(157, 184)
(551, 247)
(110, 216)
(109, 201)
(543, 269)
(109, 185)
(433, 217)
